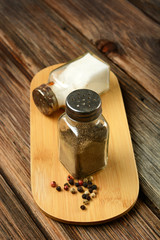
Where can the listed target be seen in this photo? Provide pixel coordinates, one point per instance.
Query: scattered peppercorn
(80, 182)
(93, 195)
(77, 184)
(66, 187)
(88, 198)
(86, 192)
(71, 181)
(85, 180)
(73, 190)
(90, 178)
(80, 189)
(95, 191)
(89, 183)
(53, 184)
(85, 184)
(82, 207)
(84, 196)
(66, 184)
(68, 178)
(85, 201)
(94, 187)
(58, 188)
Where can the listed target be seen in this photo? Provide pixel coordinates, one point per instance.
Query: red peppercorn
(80, 182)
(53, 184)
(67, 184)
(66, 187)
(69, 177)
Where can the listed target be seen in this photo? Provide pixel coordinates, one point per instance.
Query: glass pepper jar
(83, 134)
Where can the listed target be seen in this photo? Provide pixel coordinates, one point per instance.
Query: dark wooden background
(38, 33)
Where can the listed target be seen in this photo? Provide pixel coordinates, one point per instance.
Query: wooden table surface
(38, 33)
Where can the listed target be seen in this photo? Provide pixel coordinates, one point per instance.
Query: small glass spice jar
(91, 73)
(83, 134)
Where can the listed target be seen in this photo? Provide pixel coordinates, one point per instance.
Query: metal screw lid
(45, 99)
(83, 105)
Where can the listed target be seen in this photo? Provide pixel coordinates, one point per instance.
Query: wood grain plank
(149, 7)
(14, 160)
(15, 148)
(26, 53)
(135, 35)
(144, 133)
(15, 222)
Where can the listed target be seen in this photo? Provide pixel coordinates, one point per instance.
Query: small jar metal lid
(45, 99)
(83, 105)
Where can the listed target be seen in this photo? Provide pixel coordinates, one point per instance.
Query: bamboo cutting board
(118, 183)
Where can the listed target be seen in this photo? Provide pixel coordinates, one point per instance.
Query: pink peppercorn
(69, 177)
(80, 182)
(66, 187)
(53, 184)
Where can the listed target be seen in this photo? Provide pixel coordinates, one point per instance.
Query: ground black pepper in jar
(83, 134)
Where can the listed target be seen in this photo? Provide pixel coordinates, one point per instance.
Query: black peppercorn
(89, 186)
(80, 189)
(85, 184)
(88, 198)
(89, 183)
(77, 184)
(90, 190)
(82, 207)
(71, 182)
(94, 187)
(84, 196)
(58, 188)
